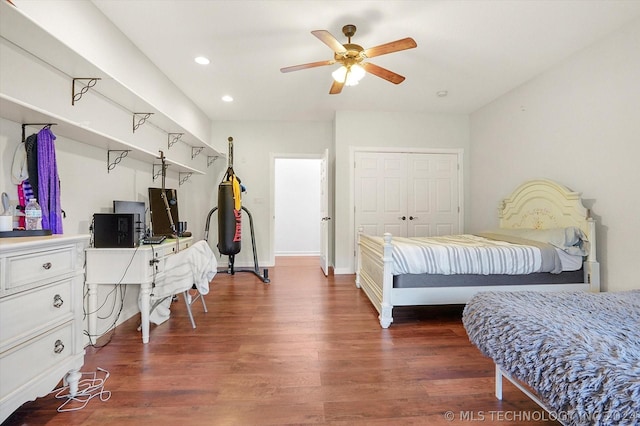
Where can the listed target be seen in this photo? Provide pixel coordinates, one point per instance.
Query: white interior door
(381, 193)
(324, 213)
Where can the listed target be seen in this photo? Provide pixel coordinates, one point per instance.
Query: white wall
(297, 207)
(255, 144)
(383, 129)
(578, 124)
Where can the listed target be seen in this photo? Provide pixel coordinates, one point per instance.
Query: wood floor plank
(303, 350)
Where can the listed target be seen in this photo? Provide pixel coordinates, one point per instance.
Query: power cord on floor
(88, 388)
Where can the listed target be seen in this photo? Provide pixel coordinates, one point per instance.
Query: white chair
(190, 300)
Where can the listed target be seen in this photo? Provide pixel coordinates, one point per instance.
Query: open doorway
(297, 197)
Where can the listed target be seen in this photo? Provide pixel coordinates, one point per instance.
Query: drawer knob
(57, 301)
(47, 265)
(58, 347)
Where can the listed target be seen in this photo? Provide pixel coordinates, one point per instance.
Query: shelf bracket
(142, 117)
(121, 154)
(183, 177)
(91, 81)
(172, 138)
(211, 159)
(157, 173)
(195, 151)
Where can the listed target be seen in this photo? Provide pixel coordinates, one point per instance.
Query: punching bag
(229, 210)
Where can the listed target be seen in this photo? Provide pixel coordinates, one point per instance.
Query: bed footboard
(374, 274)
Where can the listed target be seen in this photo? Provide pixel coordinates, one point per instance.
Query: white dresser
(41, 316)
(139, 266)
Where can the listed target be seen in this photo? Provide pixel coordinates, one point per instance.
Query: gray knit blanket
(580, 352)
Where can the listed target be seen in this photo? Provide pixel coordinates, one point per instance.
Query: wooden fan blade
(383, 73)
(329, 40)
(336, 88)
(305, 66)
(394, 46)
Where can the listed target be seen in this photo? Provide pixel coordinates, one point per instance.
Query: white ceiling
(476, 50)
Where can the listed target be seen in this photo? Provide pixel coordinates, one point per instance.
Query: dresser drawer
(33, 267)
(26, 362)
(32, 312)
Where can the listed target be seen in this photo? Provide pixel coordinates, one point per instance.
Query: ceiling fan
(352, 58)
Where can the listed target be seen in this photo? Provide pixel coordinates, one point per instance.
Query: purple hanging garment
(48, 182)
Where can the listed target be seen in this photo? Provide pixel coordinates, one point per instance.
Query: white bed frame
(501, 374)
(536, 204)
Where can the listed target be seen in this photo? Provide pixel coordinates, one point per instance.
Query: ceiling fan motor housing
(354, 54)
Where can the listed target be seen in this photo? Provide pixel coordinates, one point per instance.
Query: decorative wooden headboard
(545, 204)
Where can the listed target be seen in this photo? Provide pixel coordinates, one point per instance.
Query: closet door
(433, 198)
(380, 193)
(407, 194)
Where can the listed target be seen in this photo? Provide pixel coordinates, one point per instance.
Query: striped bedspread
(463, 254)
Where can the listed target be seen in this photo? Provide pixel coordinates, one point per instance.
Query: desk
(139, 266)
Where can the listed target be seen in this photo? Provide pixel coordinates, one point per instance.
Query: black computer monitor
(160, 224)
(139, 209)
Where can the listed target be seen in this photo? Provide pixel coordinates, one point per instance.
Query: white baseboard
(343, 271)
(297, 253)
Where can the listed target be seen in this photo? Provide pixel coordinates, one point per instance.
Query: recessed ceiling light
(227, 98)
(202, 60)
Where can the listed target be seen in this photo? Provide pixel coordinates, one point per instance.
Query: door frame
(272, 189)
(459, 152)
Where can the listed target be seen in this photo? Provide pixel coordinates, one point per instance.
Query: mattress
(482, 254)
(580, 352)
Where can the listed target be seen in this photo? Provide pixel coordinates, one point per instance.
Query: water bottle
(33, 215)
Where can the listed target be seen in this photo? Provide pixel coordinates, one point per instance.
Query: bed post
(592, 267)
(498, 382)
(358, 260)
(386, 307)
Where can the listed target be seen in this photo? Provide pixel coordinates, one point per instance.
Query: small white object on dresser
(41, 316)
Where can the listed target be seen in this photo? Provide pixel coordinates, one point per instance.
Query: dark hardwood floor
(304, 349)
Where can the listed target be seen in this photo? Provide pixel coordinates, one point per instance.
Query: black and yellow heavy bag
(229, 219)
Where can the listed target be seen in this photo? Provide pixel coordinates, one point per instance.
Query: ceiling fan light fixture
(352, 74)
(202, 60)
(340, 74)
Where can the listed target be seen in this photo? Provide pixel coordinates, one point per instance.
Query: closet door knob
(413, 217)
(402, 217)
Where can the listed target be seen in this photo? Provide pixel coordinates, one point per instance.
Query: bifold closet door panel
(432, 202)
(381, 193)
